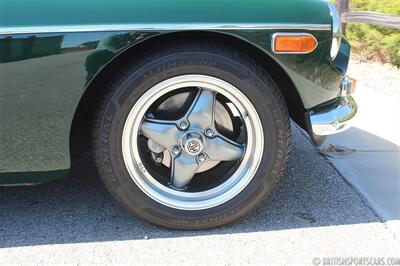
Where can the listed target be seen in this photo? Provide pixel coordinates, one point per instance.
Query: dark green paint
(43, 76)
(80, 12)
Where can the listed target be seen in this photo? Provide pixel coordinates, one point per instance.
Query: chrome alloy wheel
(192, 141)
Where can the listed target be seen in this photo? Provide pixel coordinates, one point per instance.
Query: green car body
(54, 56)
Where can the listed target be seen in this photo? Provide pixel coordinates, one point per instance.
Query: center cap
(193, 143)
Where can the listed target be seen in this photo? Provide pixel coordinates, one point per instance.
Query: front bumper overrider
(337, 116)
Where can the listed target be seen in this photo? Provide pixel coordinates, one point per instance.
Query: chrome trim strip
(161, 27)
(291, 34)
(18, 185)
(336, 30)
(336, 20)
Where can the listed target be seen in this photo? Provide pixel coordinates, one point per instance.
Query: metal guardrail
(374, 18)
(368, 17)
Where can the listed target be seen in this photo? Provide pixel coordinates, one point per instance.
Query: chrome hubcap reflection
(191, 141)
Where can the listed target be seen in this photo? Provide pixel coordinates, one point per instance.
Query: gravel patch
(376, 76)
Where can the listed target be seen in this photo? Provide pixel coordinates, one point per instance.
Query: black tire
(180, 58)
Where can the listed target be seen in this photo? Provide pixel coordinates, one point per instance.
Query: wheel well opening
(81, 129)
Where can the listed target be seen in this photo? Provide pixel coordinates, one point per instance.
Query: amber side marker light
(285, 43)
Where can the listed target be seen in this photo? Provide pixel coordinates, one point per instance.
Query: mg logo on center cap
(193, 146)
(193, 143)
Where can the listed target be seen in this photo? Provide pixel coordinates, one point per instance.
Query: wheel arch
(82, 123)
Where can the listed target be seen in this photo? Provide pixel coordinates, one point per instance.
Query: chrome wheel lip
(193, 200)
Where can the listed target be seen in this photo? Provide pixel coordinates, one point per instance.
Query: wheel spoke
(201, 114)
(223, 149)
(183, 169)
(162, 132)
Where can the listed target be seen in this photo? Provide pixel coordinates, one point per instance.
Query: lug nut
(176, 150)
(184, 125)
(201, 157)
(209, 132)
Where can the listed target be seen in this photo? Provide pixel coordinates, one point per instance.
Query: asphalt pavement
(312, 215)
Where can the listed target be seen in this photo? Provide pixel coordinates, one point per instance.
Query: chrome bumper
(335, 118)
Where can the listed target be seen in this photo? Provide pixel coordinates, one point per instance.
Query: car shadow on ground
(78, 209)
